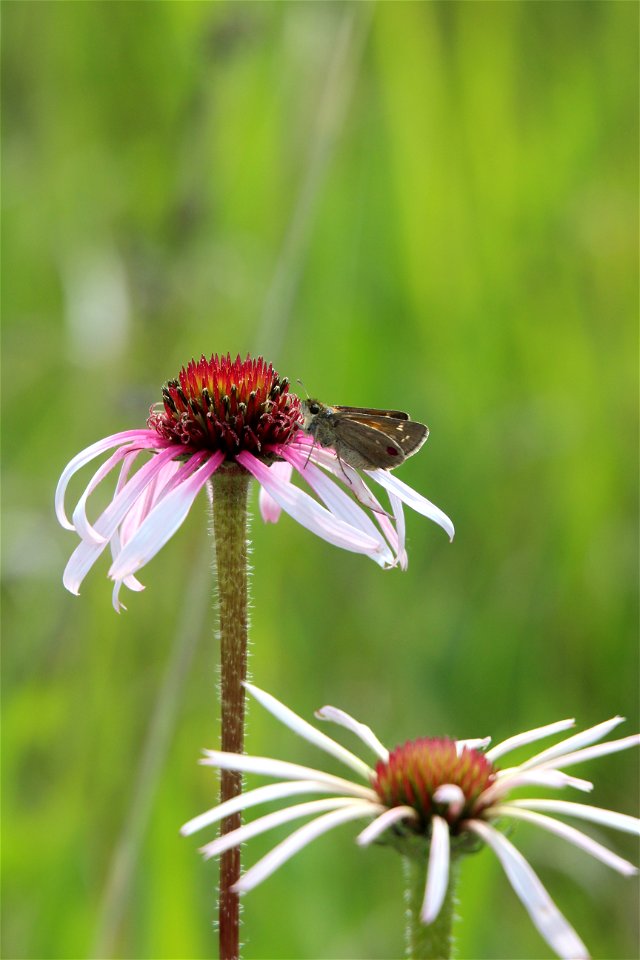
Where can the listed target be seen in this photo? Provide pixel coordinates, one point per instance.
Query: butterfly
(363, 437)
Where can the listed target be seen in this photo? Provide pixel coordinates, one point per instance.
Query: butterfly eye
(314, 408)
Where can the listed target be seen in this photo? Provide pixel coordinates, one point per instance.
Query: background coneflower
(434, 800)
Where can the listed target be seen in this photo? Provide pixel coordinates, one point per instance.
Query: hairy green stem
(230, 487)
(433, 941)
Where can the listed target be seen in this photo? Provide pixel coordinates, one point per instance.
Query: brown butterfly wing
(412, 436)
(386, 443)
(365, 446)
(409, 435)
(371, 412)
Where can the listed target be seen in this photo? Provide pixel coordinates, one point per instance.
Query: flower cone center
(228, 405)
(414, 771)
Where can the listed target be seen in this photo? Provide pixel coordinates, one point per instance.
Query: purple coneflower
(434, 800)
(221, 413)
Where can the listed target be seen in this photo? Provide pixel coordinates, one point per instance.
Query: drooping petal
(163, 521)
(569, 833)
(366, 734)
(131, 583)
(383, 822)
(86, 554)
(310, 733)
(437, 870)
(282, 768)
(80, 520)
(413, 499)
(130, 524)
(251, 798)
(142, 439)
(270, 820)
(555, 929)
(309, 513)
(296, 841)
(401, 529)
(339, 503)
(269, 509)
(342, 471)
(608, 818)
(145, 503)
(530, 736)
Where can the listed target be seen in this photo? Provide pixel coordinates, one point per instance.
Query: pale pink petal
(310, 733)
(396, 489)
(269, 509)
(251, 798)
(413, 499)
(143, 439)
(172, 474)
(236, 837)
(309, 513)
(296, 841)
(361, 730)
(521, 739)
(327, 459)
(608, 818)
(555, 929)
(437, 870)
(383, 822)
(282, 768)
(335, 498)
(163, 521)
(343, 472)
(86, 554)
(140, 509)
(571, 744)
(339, 503)
(569, 833)
(131, 583)
(401, 529)
(80, 520)
(130, 524)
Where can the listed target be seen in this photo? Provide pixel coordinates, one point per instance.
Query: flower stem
(230, 487)
(433, 941)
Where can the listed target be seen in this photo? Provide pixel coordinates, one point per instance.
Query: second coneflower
(434, 800)
(220, 423)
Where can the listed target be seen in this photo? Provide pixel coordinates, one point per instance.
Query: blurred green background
(430, 206)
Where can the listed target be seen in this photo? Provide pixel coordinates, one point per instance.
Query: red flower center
(229, 405)
(413, 773)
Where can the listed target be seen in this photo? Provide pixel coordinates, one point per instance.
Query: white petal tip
(428, 917)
